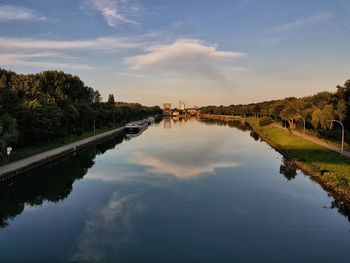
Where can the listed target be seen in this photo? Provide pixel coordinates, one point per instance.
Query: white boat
(136, 127)
(150, 120)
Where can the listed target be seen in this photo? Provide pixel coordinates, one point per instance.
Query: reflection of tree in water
(235, 124)
(52, 185)
(288, 169)
(158, 119)
(342, 208)
(254, 135)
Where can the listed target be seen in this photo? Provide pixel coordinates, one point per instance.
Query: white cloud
(305, 21)
(185, 57)
(114, 12)
(14, 13)
(103, 43)
(271, 40)
(31, 60)
(45, 53)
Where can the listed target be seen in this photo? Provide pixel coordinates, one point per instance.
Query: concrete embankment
(19, 167)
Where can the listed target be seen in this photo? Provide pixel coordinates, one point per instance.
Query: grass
(330, 168)
(30, 151)
(333, 141)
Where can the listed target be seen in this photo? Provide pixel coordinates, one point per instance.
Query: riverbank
(18, 167)
(328, 167)
(22, 153)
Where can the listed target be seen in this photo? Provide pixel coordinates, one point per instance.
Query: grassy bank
(18, 154)
(328, 167)
(336, 142)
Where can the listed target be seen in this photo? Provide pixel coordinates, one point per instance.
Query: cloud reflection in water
(103, 226)
(185, 153)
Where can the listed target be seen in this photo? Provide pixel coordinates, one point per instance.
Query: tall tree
(343, 93)
(111, 99)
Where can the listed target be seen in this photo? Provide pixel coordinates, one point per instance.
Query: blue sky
(201, 51)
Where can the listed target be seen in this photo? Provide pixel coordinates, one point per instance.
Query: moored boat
(150, 120)
(136, 127)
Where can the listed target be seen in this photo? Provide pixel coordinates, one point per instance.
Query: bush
(265, 121)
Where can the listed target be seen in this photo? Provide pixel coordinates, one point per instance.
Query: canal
(183, 191)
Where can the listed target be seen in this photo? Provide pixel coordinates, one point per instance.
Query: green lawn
(333, 141)
(332, 168)
(18, 154)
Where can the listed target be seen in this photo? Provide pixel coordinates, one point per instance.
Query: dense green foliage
(317, 111)
(266, 120)
(37, 108)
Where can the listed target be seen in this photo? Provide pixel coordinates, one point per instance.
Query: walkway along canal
(18, 167)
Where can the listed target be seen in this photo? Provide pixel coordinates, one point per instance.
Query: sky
(204, 52)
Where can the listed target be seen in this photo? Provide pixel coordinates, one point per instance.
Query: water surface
(183, 191)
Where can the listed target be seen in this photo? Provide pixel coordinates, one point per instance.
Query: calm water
(181, 192)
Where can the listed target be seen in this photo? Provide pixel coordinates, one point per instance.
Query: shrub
(265, 121)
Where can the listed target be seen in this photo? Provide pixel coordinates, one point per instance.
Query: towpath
(53, 152)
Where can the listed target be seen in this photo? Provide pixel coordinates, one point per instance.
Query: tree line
(36, 108)
(317, 110)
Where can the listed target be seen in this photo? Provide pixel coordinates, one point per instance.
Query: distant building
(182, 105)
(176, 114)
(167, 109)
(193, 111)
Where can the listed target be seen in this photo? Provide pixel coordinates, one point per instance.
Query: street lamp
(342, 134)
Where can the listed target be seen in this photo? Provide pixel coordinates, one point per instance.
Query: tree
(8, 132)
(276, 109)
(322, 117)
(3, 81)
(256, 109)
(343, 94)
(292, 112)
(341, 110)
(316, 118)
(9, 101)
(54, 104)
(327, 116)
(111, 99)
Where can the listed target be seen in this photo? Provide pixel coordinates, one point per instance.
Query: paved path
(315, 140)
(50, 153)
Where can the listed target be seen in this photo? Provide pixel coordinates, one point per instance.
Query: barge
(136, 127)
